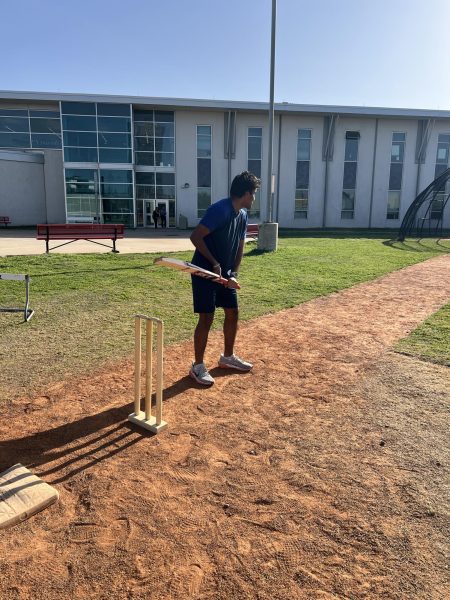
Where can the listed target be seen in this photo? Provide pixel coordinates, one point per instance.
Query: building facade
(96, 158)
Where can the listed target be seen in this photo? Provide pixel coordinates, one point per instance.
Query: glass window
(80, 188)
(303, 149)
(302, 179)
(145, 178)
(14, 140)
(80, 154)
(73, 123)
(350, 175)
(203, 129)
(442, 153)
(14, 124)
(12, 112)
(116, 176)
(164, 145)
(444, 138)
(78, 108)
(255, 131)
(203, 201)
(80, 175)
(165, 178)
(144, 115)
(304, 134)
(144, 129)
(164, 130)
(80, 138)
(145, 192)
(117, 205)
(393, 208)
(46, 114)
(145, 158)
(348, 199)
(116, 190)
(114, 124)
(112, 155)
(254, 148)
(254, 166)
(113, 110)
(395, 177)
(398, 137)
(45, 140)
(203, 172)
(165, 192)
(164, 159)
(164, 116)
(397, 152)
(45, 125)
(204, 145)
(144, 143)
(351, 150)
(114, 140)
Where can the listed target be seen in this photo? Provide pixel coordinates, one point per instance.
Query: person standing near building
(219, 240)
(163, 216)
(155, 216)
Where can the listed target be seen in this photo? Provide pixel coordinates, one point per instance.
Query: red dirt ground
(321, 474)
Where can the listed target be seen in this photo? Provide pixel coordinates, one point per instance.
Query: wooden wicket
(146, 419)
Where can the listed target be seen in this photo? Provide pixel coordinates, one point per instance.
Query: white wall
(22, 190)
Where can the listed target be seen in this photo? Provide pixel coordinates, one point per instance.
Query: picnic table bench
(5, 220)
(252, 231)
(80, 231)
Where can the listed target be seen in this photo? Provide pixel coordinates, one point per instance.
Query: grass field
(85, 303)
(430, 341)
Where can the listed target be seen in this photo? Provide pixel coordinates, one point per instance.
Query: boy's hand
(217, 269)
(232, 283)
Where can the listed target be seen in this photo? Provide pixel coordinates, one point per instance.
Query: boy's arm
(197, 238)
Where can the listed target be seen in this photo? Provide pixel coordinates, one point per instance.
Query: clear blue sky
(392, 53)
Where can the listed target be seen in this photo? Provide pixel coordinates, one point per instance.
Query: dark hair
(244, 182)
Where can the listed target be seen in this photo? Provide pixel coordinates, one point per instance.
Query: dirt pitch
(322, 474)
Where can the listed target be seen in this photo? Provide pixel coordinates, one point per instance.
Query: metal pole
(270, 183)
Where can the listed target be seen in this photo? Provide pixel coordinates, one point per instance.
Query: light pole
(268, 234)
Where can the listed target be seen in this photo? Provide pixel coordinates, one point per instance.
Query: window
(96, 132)
(154, 138)
(350, 171)
(442, 156)
(395, 175)
(30, 129)
(254, 158)
(204, 152)
(302, 173)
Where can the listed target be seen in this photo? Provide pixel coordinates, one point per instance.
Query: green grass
(85, 303)
(431, 340)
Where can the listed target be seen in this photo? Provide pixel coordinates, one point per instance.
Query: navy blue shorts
(208, 295)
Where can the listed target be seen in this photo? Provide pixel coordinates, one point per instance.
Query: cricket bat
(188, 267)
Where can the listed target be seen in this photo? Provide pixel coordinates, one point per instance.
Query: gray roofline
(192, 103)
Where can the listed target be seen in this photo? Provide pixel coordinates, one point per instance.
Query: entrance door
(149, 207)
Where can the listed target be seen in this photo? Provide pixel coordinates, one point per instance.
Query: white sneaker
(200, 374)
(234, 362)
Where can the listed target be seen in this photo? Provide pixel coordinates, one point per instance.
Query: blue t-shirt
(226, 230)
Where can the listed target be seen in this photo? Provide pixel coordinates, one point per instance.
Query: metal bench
(80, 231)
(27, 312)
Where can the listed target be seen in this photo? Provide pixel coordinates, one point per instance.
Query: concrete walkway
(15, 242)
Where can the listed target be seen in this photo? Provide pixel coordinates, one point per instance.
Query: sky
(392, 53)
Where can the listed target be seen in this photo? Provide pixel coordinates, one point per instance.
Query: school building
(112, 159)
